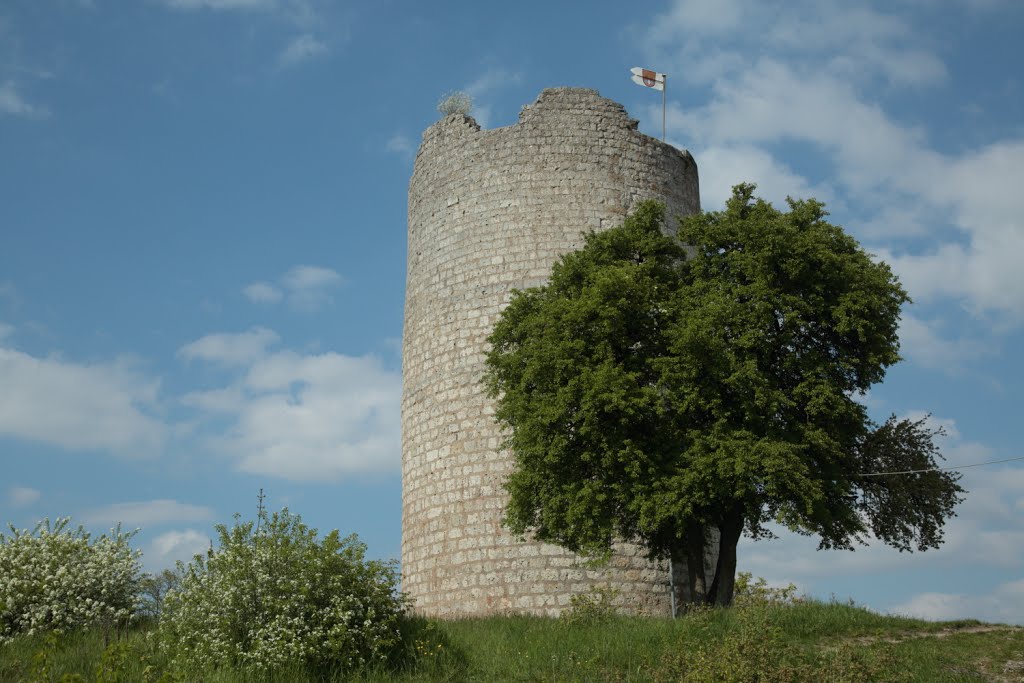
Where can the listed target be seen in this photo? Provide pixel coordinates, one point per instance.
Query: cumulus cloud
(235, 349)
(262, 293)
(144, 513)
(1003, 604)
(221, 4)
(399, 144)
(923, 342)
(723, 166)
(946, 221)
(858, 41)
(301, 49)
(314, 417)
(985, 534)
(13, 104)
(22, 496)
(92, 407)
(979, 188)
(304, 287)
(492, 79)
(301, 278)
(173, 546)
(484, 85)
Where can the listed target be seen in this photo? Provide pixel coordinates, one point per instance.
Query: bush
(272, 598)
(455, 102)
(750, 591)
(596, 607)
(56, 579)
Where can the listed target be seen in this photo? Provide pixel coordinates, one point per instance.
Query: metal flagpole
(672, 586)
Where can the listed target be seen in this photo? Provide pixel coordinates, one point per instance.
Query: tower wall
(490, 211)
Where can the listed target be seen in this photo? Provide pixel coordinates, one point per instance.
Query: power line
(941, 469)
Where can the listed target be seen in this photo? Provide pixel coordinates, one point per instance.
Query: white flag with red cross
(648, 78)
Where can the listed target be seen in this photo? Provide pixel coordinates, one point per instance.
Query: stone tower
(490, 211)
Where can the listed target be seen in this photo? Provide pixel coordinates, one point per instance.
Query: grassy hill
(768, 641)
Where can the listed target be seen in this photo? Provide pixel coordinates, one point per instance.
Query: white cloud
(987, 533)
(491, 80)
(21, 496)
(230, 349)
(980, 267)
(262, 293)
(222, 4)
(143, 513)
(7, 291)
(846, 41)
(11, 102)
(309, 417)
(225, 400)
(308, 287)
(721, 167)
(305, 288)
(75, 406)
(301, 49)
(309, 277)
(704, 17)
(921, 341)
(172, 546)
(1003, 604)
(399, 144)
(812, 79)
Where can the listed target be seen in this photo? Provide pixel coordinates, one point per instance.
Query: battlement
(490, 211)
(550, 106)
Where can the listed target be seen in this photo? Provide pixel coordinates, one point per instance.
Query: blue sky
(202, 240)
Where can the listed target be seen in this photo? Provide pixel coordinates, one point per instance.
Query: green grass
(806, 641)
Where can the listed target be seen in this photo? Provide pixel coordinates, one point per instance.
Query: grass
(803, 641)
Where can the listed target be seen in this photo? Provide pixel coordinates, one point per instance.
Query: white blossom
(59, 579)
(280, 597)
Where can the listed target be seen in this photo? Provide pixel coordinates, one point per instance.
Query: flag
(648, 78)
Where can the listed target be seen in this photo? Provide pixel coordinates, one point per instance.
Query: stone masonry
(490, 211)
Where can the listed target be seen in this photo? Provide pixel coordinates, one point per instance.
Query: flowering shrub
(53, 578)
(272, 598)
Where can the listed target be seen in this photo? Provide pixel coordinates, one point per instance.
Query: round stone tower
(490, 211)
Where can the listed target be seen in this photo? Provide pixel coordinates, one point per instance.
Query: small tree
(277, 598)
(656, 393)
(455, 102)
(153, 590)
(55, 578)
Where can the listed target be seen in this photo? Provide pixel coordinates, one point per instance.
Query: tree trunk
(722, 587)
(697, 581)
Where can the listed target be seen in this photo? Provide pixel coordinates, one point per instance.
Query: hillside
(797, 641)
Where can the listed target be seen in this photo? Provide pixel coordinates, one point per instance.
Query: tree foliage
(662, 393)
(153, 590)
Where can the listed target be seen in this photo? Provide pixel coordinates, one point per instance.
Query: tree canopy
(680, 390)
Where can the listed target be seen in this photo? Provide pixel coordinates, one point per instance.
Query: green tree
(667, 394)
(153, 590)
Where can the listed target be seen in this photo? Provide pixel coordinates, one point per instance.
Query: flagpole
(664, 89)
